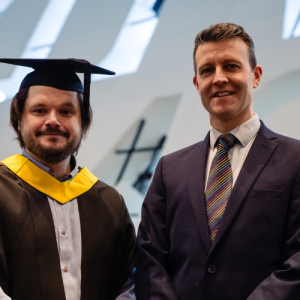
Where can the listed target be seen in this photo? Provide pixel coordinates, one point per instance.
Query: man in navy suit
(221, 219)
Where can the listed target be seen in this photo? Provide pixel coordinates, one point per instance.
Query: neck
(226, 125)
(60, 169)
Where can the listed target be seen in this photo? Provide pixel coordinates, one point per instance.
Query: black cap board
(60, 74)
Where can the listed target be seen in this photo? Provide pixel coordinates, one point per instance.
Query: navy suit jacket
(256, 253)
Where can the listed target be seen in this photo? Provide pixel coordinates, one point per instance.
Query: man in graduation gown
(63, 233)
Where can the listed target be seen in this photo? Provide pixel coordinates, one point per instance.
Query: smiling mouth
(223, 94)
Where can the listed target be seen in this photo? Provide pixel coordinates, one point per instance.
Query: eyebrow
(38, 105)
(226, 61)
(42, 105)
(68, 104)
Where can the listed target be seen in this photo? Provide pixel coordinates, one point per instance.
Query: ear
(195, 82)
(257, 76)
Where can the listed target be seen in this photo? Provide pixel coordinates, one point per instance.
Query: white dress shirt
(245, 134)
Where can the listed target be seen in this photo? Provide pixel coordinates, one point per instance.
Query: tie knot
(226, 141)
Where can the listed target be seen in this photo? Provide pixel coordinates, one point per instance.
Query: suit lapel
(256, 160)
(196, 185)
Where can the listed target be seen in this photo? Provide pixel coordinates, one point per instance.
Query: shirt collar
(244, 132)
(70, 176)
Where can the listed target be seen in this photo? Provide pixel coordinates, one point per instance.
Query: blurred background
(150, 108)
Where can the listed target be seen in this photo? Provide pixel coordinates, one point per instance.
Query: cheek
(30, 125)
(206, 102)
(74, 127)
(204, 93)
(249, 83)
(248, 90)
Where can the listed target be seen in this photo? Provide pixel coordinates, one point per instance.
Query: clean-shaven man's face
(225, 80)
(51, 123)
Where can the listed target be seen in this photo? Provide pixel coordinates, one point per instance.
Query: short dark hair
(17, 107)
(224, 31)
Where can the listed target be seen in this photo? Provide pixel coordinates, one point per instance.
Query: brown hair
(224, 31)
(17, 107)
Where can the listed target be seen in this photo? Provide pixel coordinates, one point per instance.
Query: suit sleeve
(152, 278)
(284, 283)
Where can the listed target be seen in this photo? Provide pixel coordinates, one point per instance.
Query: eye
(232, 66)
(39, 111)
(66, 112)
(206, 71)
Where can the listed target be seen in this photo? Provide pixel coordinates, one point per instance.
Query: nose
(52, 119)
(220, 77)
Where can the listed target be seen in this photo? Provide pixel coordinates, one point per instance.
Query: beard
(50, 154)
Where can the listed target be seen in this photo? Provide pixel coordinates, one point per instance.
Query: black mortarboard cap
(60, 74)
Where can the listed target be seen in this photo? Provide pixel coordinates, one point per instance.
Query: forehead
(50, 96)
(234, 48)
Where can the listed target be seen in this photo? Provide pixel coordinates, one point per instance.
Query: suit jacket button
(211, 269)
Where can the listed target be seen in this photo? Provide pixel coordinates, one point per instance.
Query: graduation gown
(29, 259)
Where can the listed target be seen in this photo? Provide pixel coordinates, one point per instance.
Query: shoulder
(106, 189)
(179, 161)
(289, 144)
(175, 164)
(182, 154)
(285, 150)
(109, 195)
(11, 187)
(112, 205)
(7, 176)
(288, 141)
(288, 151)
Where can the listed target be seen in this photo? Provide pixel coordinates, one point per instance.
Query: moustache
(52, 130)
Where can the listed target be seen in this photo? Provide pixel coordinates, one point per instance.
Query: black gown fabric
(29, 260)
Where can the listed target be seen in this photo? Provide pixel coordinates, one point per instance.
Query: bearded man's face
(51, 123)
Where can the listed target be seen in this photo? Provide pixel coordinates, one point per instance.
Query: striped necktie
(219, 184)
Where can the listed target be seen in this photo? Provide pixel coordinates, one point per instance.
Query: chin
(52, 146)
(223, 114)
